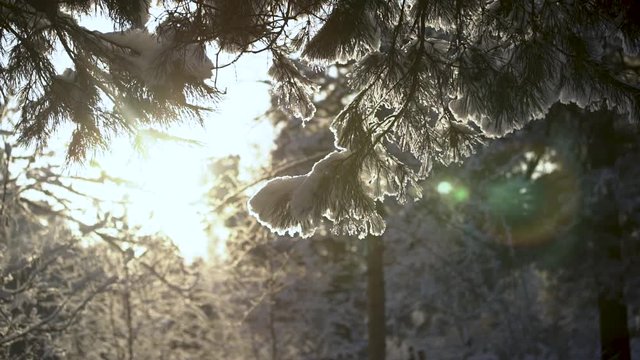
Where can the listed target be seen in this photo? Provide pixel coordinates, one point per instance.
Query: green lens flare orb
(461, 194)
(444, 187)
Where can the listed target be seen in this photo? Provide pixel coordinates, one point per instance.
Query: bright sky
(168, 181)
(171, 175)
(168, 187)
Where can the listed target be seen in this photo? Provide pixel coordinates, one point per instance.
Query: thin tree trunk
(614, 330)
(272, 319)
(614, 333)
(375, 299)
(128, 312)
(272, 328)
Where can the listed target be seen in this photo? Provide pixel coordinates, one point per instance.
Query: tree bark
(376, 329)
(604, 150)
(614, 330)
(128, 312)
(614, 333)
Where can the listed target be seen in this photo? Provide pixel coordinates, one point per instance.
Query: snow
(267, 205)
(68, 75)
(292, 89)
(462, 128)
(151, 52)
(298, 204)
(305, 197)
(298, 197)
(583, 98)
(459, 109)
(438, 46)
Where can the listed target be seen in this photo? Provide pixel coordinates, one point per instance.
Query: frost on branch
(70, 95)
(350, 31)
(331, 190)
(291, 88)
(160, 60)
(272, 206)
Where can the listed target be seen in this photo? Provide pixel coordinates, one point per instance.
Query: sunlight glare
(444, 187)
(170, 174)
(166, 190)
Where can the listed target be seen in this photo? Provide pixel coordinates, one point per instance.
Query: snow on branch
(332, 190)
(292, 88)
(158, 59)
(349, 31)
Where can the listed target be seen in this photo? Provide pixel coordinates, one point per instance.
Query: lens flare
(455, 192)
(534, 212)
(444, 187)
(461, 194)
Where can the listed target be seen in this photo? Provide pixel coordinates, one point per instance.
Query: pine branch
(269, 175)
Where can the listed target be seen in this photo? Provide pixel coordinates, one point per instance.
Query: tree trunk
(614, 333)
(614, 330)
(128, 311)
(604, 150)
(375, 299)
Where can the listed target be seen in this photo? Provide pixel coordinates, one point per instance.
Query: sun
(444, 187)
(168, 193)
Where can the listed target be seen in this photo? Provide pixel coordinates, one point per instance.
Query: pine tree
(118, 81)
(432, 78)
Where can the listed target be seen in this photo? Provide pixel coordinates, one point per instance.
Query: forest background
(408, 208)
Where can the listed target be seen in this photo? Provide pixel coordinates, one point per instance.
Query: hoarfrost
(305, 197)
(271, 206)
(462, 128)
(292, 204)
(155, 58)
